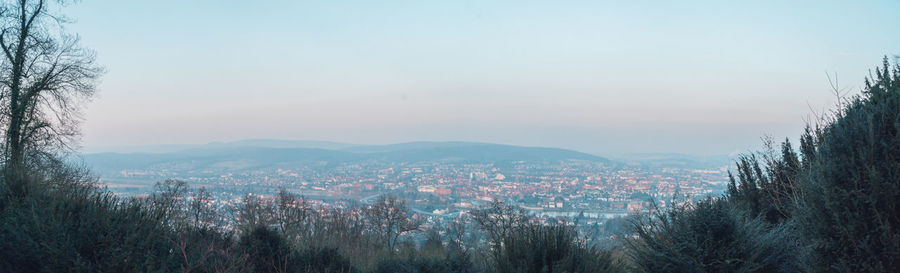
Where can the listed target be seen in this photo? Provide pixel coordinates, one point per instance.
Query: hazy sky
(606, 77)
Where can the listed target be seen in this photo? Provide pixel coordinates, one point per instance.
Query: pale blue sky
(606, 77)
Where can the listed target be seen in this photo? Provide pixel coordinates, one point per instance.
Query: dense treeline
(832, 207)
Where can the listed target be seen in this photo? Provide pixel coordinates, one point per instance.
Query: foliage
(848, 206)
(77, 228)
(766, 189)
(710, 236)
(551, 248)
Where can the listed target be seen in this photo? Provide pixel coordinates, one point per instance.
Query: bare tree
(44, 77)
(169, 200)
(499, 220)
(253, 212)
(294, 215)
(202, 214)
(389, 218)
(458, 235)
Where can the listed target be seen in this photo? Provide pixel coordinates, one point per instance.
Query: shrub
(417, 264)
(849, 201)
(267, 250)
(710, 236)
(550, 248)
(81, 229)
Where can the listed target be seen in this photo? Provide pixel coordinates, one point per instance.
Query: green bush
(849, 201)
(81, 230)
(710, 236)
(550, 248)
(419, 264)
(321, 260)
(766, 189)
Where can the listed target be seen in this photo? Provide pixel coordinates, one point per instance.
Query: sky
(604, 77)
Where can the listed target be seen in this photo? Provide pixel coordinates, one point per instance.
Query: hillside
(269, 154)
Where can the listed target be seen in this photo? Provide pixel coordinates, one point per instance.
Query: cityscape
(595, 189)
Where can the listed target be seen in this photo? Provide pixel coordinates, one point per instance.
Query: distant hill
(260, 143)
(476, 152)
(280, 143)
(418, 145)
(674, 160)
(259, 154)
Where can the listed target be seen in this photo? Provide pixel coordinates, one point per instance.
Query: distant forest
(829, 204)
